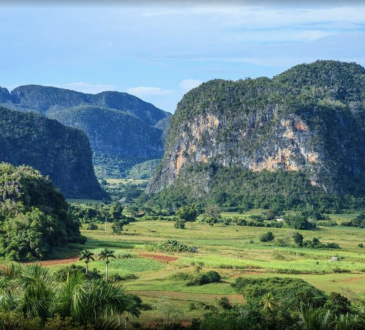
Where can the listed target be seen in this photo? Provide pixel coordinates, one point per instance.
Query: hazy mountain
(61, 152)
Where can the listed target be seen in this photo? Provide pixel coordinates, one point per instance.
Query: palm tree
(315, 318)
(87, 255)
(105, 255)
(36, 283)
(268, 302)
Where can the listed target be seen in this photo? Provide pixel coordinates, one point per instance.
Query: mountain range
(123, 130)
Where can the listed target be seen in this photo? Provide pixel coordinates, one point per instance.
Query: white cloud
(87, 88)
(148, 91)
(189, 84)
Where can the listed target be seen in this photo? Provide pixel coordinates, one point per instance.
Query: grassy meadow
(233, 251)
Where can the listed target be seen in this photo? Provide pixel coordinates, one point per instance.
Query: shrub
(268, 237)
(187, 213)
(297, 221)
(179, 224)
(92, 226)
(171, 246)
(291, 292)
(209, 277)
(361, 245)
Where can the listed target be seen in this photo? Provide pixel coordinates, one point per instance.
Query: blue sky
(158, 52)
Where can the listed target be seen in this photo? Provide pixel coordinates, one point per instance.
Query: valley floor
(233, 251)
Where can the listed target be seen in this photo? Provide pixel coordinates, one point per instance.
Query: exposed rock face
(61, 152)
(309, 119)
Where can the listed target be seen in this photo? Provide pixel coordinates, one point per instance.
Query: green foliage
(298, 221)
(57, 151)
(316, 244)
(187, 213)
(298, 239)
(34, 216)
(179, 224)
(320, 104)
(268, 237)
(170, 246)
(358, 222)
(291, 292)
(61, 274)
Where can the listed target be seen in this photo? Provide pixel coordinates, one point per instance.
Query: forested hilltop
(123, 130)
(292, 140)
(61, 152)
(34, 216)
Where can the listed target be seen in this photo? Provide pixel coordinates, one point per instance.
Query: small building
(280, 220)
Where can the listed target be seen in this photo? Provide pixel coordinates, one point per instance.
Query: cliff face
(55, 150)
(309, 120)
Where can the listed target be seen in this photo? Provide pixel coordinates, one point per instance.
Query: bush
(209, 277)
(92, 226)
(187, 213)
(268, 237)
(179, 224)
(297, 221)
(291, 292)
(171, 246)
(358, 222)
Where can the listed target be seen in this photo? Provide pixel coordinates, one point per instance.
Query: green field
(233, 251)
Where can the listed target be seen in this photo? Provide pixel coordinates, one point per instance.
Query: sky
(159, 51)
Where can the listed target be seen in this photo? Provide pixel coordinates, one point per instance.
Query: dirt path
(187, 296)
(158, 257)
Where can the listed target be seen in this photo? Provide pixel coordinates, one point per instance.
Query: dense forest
(123, 130)
(35, 219)
(61, 152)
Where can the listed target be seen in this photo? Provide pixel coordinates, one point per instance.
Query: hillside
(123, 130)
(114, 135)
(290, 140)
(55, 150)
(34, 216)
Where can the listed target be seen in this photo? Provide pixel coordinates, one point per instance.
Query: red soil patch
(49, 262)
(354, 279)
(54, 262)
(158, 257)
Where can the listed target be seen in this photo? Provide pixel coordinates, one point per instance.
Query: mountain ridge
(309, 119)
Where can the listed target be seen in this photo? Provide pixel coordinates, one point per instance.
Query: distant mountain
(61, 152)
(114, 135)
(296, 139)
(123, 130)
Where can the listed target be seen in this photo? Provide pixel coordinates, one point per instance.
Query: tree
(298, 221)
(116, 211)
(105, 255)
(268, 302)
(298, 239)
(117, 227)
(187, 213)
(87, 255)
(212, 214)
(268, 237)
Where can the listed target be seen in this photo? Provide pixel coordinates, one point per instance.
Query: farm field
(233, 251)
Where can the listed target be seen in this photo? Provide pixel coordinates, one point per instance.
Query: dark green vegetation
(34, 217)
(32, 299)
(118, 139)
(281, 143)
(60, 152)
(123, 130)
